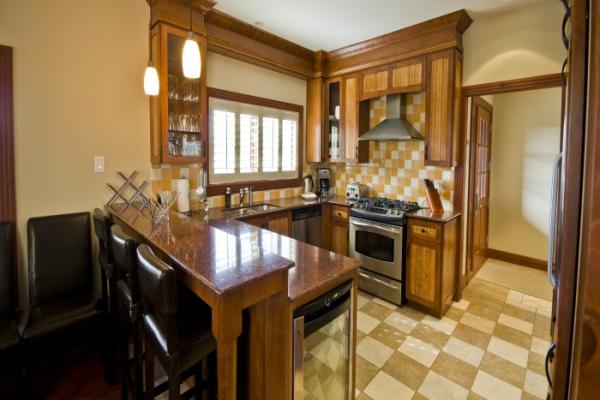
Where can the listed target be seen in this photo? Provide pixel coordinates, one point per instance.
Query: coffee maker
(324, 181)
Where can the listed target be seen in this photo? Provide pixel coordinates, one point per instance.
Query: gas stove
(382, 210)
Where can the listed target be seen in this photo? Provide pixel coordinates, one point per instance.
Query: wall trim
(517, 259)
(514, 85)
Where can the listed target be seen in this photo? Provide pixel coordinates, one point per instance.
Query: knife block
(433, 198)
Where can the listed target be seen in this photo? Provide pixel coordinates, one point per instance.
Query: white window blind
(250, 142)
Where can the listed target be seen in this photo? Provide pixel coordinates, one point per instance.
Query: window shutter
(289, 143)
(223, 142)
(270, 144)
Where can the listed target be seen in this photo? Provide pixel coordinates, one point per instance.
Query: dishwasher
(306, 225)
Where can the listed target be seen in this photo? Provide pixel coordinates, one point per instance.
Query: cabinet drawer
(425, 230)
(339, 213)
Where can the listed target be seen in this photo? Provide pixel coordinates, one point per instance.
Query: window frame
(214, 189)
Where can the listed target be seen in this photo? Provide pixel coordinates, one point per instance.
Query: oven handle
(382, 282)
(393, 231)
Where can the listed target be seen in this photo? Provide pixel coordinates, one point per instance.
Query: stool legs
(174, 387)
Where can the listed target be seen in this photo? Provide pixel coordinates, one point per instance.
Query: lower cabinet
(280, 222)
(431, 265)
(339, 237)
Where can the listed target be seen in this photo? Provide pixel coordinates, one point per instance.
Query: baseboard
(517, 259)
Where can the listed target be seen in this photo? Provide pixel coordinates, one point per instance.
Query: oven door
(378, 246)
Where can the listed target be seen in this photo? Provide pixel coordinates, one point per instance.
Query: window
(252, 140)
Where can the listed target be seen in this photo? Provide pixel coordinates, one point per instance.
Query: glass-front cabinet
(333, 139)
(178, 118)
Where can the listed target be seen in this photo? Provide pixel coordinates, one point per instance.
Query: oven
(379, 247)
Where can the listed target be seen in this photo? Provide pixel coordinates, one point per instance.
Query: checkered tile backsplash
(396, 169)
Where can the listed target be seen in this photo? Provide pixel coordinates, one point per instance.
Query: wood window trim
(260, 185)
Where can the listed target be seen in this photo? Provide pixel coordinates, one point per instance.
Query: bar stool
(130, 312)
(178, 335)
(109, 279)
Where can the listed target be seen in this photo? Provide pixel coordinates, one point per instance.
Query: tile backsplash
(395, 170)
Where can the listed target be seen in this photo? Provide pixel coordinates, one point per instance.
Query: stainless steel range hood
(394, 126)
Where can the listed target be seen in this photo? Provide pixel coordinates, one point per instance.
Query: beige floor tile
(444, 324)
(539, 346)
(508, 351)
(388, 335)
(419, 396)
(474, 396)
(485, 311)
(430, 335)
(526, 280)
(454, 369)
(365, 322)
(462, 304)
(536, 363)
(519, 312)
(365, 372)
(411, 313)
(374, 351)
(419, 351)
(361, 300)
(464, 351)
(492, 388)
(435, 386)
(401, 322)
(406, 370)
(539, 304)
(364, 396)
(516, 323)
(528, 396)
(454, 313)
(360, 336)
(386, 304)
(515, 295)
(536, 385)
(471, 335)
(384, 387)
(376, 310)
(503, 369)
(512, 335)
(477, 322)
(541, 327)
(522, 306)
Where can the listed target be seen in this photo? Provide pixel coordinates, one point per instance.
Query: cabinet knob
(422, 230)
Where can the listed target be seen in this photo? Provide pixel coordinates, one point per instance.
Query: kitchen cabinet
(444, 81)
(431, 252)
(408, 76)
(350, 117)
(279, 222)
(375, 82)
(339, 229)
(178, 123)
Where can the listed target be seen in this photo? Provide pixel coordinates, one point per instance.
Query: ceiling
(331, 24)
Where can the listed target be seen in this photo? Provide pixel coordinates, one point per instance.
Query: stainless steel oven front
(380, 249)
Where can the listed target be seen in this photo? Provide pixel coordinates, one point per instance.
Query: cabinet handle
(549, 358)
(422, 230)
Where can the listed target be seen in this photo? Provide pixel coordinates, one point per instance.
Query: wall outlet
(98, 163)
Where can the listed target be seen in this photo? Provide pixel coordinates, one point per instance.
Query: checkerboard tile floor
(490, 345)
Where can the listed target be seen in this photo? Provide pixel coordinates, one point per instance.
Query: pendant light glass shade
(191, 62)
(151, 82)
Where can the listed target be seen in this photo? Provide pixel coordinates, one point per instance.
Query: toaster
(355, 191)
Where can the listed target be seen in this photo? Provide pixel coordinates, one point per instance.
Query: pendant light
(190, 60)
(151, 82)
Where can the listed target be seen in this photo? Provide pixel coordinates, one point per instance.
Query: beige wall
(517, 44)
(525, 140)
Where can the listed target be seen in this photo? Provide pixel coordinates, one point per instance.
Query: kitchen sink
(249, 210)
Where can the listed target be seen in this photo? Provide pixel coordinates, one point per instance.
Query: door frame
(471, 189)
(491, 88)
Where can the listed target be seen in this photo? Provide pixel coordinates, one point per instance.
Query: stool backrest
(7, 270)
(60, 257)
(124, 256)
(158, 285)
(102, 225)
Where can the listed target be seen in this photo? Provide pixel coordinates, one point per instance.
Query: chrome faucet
(246, 194)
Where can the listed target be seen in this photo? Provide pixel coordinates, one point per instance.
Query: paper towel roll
(183, 195)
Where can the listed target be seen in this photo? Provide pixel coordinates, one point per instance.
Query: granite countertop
(428, 215)
(216, 258)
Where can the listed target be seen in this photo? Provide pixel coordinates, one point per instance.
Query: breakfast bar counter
(238, 269)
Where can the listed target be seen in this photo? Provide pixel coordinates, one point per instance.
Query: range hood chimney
(394, 126)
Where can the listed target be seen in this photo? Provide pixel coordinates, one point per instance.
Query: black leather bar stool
(109, 279)
(9, 338)
(62, 302)
(130, 312)
(177, 333)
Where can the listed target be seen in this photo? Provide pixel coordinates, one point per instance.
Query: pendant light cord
(191, 6)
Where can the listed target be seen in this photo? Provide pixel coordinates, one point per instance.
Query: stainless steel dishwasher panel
(306, 225)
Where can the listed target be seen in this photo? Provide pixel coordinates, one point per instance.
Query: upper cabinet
(443, 108)
(375, 82)
(408, 76)
(178, 121)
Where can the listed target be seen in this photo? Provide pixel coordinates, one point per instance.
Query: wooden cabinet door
(440, 101)
(339, 238)
(315, 105)
(409, 75)
(350, 118)
(422, 272)
(256, 221)
(279, 223)
(375, 83)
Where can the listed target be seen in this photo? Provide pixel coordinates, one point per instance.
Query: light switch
(99, 164)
